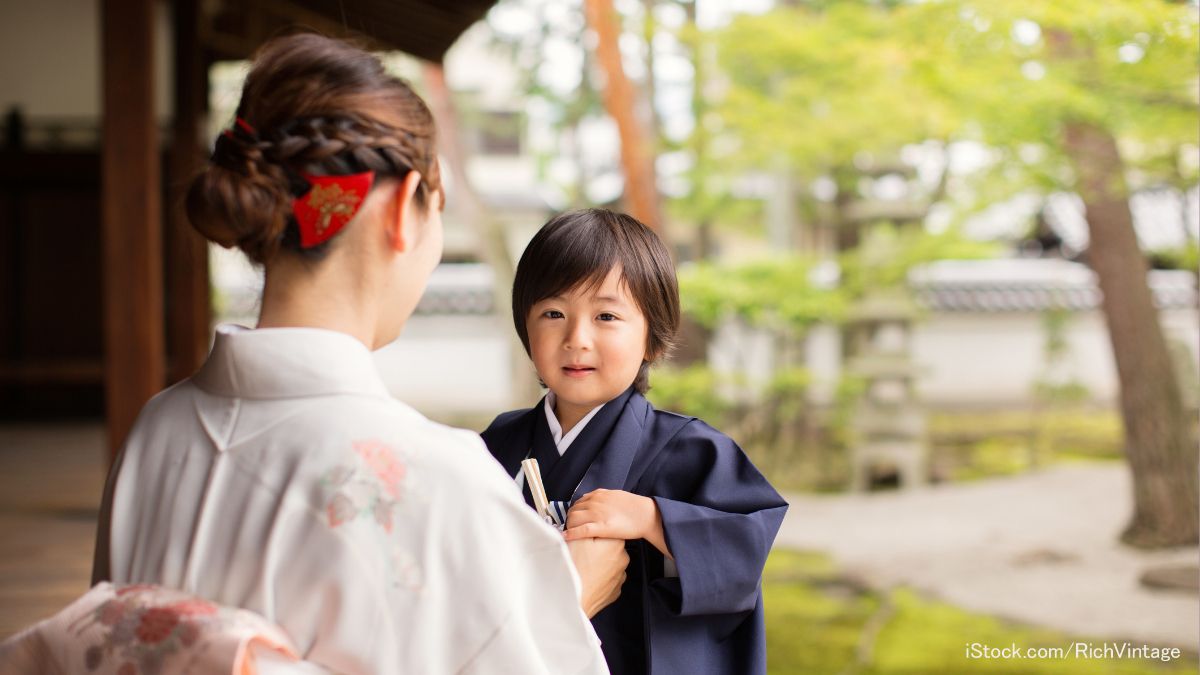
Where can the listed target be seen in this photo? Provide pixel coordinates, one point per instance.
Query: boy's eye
(607, 316)
(552, 314)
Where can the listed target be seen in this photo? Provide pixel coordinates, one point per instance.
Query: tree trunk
(847, 232)
(641, 189)
(1161, 455)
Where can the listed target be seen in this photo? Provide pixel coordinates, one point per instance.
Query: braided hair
(311, 105)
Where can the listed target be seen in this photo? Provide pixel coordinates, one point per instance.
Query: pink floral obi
(150, 630)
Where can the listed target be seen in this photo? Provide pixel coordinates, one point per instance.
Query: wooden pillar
(188, 306)
(134, 359)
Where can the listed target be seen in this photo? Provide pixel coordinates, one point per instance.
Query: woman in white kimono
(282, 477)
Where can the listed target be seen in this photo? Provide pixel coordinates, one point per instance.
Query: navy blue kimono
(719, 519)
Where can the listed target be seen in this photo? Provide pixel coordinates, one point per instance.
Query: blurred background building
(800, 158)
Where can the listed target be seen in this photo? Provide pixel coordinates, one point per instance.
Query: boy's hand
(614, 514)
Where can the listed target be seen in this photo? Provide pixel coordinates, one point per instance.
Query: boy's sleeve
(500, 439)
(720, 517)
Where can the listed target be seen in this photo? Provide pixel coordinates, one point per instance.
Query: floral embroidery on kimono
(143, 634)
(146, 629)
(382, 542)
(373, 488)
(371, 493)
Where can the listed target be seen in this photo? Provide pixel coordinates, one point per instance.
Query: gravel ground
(1040, 548)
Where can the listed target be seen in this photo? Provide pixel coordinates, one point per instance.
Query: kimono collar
(564, 442)
(562, 477)
(270, 363)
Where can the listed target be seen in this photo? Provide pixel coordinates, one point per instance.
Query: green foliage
(775, 293)
(993, 457)
(972, 446)
(1065, 392)
(932, 637)
(768, 429)
(1055, 386)
(1180, 258)
(1126, 65)
(694, 391)
(821, 85)
(828, 83)
(712, 200)
(809, 628)
(889, 253)
(788, 388)
(850, 390)
(1085, 435)
(818, 620)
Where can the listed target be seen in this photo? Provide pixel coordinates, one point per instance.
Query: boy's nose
(578, 336)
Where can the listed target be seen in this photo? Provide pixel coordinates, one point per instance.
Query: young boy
(595, 302)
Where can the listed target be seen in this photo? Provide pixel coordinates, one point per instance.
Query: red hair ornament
(329, 204)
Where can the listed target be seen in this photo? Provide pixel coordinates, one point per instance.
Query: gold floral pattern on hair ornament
(329, 204)
(331, 200)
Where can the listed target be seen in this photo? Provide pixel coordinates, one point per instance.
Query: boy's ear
(651, 354)
(404, 213)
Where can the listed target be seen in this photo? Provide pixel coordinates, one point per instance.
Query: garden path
(1040, 548)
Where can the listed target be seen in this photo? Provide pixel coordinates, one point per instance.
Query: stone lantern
(888, 424)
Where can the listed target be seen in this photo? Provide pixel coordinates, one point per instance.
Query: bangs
(576, 251)
(573, 253)
(575, 267)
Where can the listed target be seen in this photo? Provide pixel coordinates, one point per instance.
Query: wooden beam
(276, 13)
(188, 307)
(423, 28)
(56, 371)
(131, 229)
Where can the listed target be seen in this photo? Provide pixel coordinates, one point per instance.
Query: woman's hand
(616, 514)
(601, 566)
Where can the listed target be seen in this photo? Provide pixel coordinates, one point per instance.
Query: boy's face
(588, 345)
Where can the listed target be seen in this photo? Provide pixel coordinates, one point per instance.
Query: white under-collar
(560, 441)
(269, 363)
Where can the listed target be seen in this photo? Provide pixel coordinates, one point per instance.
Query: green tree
(1094, 98)
(1079, 81)
(829, 91)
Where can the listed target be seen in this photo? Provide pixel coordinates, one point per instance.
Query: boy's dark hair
(580, 248)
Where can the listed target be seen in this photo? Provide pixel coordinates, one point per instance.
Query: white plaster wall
(462, 364)
(995, 359)
(50, 58)
(974, 360)
(823, 356)
(450, 365)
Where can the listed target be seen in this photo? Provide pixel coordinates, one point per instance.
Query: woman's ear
(404, 214)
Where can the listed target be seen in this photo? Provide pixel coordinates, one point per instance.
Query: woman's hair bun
(314, 105)
(240, 200)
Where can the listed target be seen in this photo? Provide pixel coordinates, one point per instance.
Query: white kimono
(283, 478)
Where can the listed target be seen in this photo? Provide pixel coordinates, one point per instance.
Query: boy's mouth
(578, 371)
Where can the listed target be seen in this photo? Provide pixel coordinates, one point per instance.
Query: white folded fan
(533, 478)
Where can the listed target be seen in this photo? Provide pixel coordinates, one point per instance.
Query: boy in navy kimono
(595, 302)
